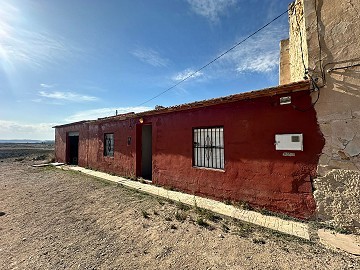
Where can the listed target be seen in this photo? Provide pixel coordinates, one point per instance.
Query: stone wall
(333, 51)
(297, 42)
(284, 67)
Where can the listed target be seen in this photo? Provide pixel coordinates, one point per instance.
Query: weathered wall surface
(284, 66)
(123, 161)
(61, 141)
(254, 171)
(91, 145)
(333, 41)
(298, 52)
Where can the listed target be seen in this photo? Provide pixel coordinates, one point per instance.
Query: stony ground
(55, 219)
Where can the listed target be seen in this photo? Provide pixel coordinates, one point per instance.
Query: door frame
(139, 150)
(68, 147)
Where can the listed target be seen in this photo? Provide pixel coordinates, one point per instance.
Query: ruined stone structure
(324, 46)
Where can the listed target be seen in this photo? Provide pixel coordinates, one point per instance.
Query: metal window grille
(209, 147)
(109, 145)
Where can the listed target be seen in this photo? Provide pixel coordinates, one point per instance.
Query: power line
(215, 59)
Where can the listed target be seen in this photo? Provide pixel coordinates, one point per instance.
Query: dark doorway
(73, 141)
(146, 152)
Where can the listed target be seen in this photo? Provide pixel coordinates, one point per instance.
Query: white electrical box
(289, 142)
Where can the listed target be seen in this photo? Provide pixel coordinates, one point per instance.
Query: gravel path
(55, 219)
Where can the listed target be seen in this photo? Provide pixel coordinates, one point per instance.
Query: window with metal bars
(209, 147)
(109, 144)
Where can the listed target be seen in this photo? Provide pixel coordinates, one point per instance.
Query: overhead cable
(215, 59)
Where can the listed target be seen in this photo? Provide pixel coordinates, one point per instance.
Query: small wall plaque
(288, 154)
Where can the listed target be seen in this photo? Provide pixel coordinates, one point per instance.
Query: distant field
(18, 150)
(27, 141)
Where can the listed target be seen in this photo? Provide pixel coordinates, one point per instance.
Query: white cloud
(259, 54)
(186, 73)
(104, 112)
(10, 130)
(68, 96)
(21, 44)
(44, 85)
(211, 9)
(262, 63)
(151, 57)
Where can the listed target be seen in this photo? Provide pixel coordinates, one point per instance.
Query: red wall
(61, 152)
(123, 162)
(254, 171)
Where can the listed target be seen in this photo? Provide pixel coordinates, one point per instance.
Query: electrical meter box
(289, 142)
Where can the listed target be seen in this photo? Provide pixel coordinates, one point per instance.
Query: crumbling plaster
(298, 52)
(333, 192)
(332, 36)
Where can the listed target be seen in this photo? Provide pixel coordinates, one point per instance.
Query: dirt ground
(55, 219)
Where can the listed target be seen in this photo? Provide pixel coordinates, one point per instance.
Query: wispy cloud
(151, 57)
(16, 130)
(68, 96)
(21, 44)
(186, 73)
(211, 9)
(258, 54)
(104, 112)
(44, 85)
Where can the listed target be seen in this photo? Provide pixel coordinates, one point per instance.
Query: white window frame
(208, 147)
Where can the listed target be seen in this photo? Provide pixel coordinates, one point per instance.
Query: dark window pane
(109, 144)
(208, 147)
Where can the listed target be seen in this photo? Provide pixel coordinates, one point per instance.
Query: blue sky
(69, 60)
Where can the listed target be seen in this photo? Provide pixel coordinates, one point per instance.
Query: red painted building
(260, 147)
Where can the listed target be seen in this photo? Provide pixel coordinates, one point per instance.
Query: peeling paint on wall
(332, 48)
(338, 198)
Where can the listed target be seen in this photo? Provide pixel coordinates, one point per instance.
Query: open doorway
(73, 148)
(146, 152)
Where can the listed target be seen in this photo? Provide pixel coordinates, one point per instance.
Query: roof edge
(266, 92)
(73, 123)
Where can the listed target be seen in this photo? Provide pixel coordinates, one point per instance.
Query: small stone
(24, 239)
(221, 236)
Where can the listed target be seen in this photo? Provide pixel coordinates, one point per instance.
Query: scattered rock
(41, 157)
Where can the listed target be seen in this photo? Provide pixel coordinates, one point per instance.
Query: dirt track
(56, 219)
